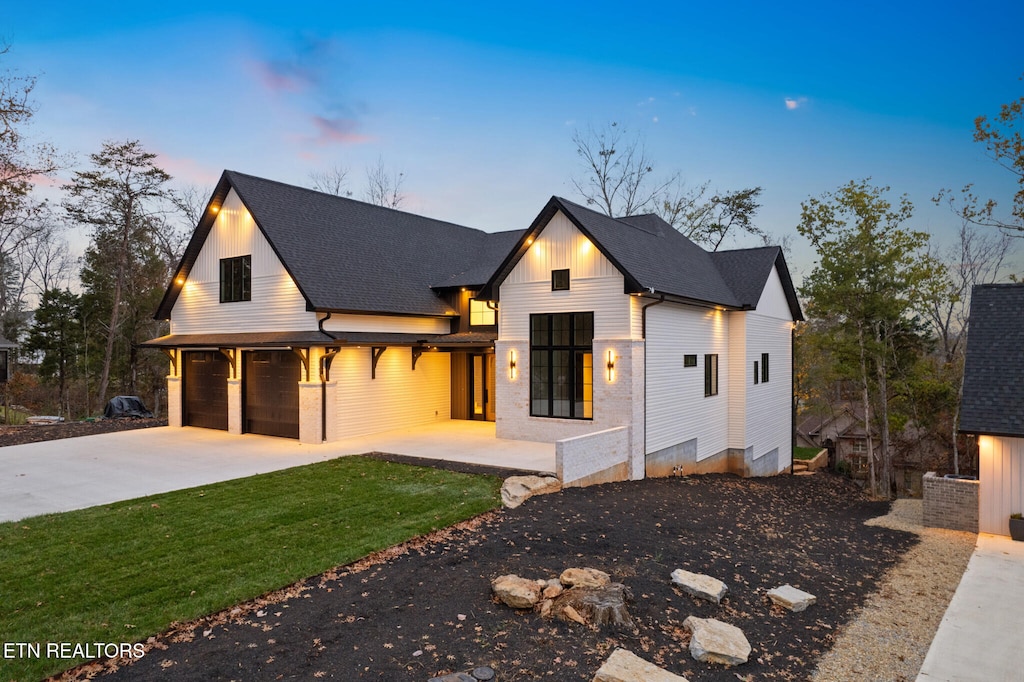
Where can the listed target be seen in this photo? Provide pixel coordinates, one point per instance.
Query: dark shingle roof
(346, 255)
(654, 257)
(746, 271)
(993, 399)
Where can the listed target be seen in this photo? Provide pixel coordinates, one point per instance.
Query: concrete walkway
(979, 638)
(74, 473)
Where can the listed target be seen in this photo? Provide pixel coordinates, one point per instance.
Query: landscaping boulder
(624, 666)
(699, 585)
(584, 577)
(517, 489)
(791, 598)
(716, 642)
(519, 593)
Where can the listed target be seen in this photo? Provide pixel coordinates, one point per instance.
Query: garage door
(272, 393)
(206, 390)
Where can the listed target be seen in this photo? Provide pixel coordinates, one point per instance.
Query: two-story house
(300, 314)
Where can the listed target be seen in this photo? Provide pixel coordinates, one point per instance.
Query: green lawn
(121, 572)
(805, 453)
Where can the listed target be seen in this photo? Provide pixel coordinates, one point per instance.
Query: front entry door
(481, 387)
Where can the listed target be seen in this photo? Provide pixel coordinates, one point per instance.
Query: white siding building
(305, 315)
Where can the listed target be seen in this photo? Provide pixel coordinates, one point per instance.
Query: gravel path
(890, 635)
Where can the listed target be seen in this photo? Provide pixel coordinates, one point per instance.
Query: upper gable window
(236, 279)
(560, 280)
(480, 314)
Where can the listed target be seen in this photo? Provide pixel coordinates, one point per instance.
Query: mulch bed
(36, 433)
(426, 609)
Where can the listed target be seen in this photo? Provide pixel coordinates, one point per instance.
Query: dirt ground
(35, 433)
(426, 609)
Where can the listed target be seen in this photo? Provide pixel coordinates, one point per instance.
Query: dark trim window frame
(236, 279)
(689, 361)
(757, 374)
(710, 375)
(764, 368)
(562, 365)
(560, 280)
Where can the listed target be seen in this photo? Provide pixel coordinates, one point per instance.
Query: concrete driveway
(74, 473)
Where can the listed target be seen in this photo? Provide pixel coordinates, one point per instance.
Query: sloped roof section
(746, 272)
(654, 258)
(347, 255)
(993, 399)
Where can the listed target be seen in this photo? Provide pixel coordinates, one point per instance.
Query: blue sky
(477, 102)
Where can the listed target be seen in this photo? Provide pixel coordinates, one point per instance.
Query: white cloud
(792, 104)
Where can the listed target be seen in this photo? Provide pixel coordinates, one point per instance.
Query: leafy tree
(1004, 143)
(870, 282)
(57, 333)
(124, 198)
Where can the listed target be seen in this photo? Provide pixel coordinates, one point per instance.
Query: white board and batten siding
(1001, 476)
(677, 409)
(595, 284)
(276, 305)
(397, 398)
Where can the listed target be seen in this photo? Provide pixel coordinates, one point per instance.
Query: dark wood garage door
(206, 390)
(271, 391)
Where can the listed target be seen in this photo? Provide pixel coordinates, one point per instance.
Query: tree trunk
(867, 409)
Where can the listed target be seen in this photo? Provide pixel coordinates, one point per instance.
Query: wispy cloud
(187, 170)
(277, 77)
(796, 103)
(338, 131)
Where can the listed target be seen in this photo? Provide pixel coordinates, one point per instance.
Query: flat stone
(791, 598)
(625, 666)
(716, 642)
(519, 593)
(517, 489)
(584, 577)
(483, 673)
(699, 585)
(454, 677)
(552, 591)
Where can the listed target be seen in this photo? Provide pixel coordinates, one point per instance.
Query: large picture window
(236, 279)
(562, 365)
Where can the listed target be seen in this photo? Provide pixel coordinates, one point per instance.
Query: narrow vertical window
(764, 368)
(711, 374)
(756, 375)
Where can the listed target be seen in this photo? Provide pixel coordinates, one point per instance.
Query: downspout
(643, 335)
(792, 397)
(323, 379)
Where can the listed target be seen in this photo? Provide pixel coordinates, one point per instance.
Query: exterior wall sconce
(611, 365)
(512, 365)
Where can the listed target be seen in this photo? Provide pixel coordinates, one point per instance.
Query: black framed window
(711, 374)
(562, 365)
(756, 375)
(559, 280)
(236, 279)
(689, 361)
(764, 368)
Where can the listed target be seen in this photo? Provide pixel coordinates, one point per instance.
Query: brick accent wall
(950, 503)
(601, 457)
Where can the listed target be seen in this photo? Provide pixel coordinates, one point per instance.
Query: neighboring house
(316, 317)
(841, 431)
(993, 401)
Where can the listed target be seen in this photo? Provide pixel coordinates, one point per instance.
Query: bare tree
(710, 221)
(382, 187)
(977, 258)
(334, 181)
(619, 176)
